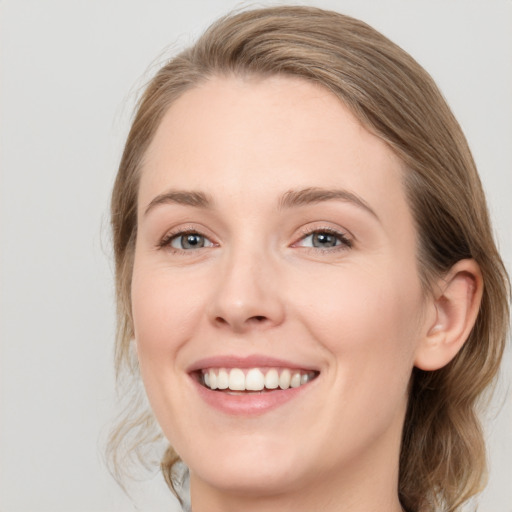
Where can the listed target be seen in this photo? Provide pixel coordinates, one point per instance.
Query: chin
(256, 468)
(266, 479)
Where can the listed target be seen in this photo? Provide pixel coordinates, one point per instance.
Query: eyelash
(344, 242)
(166, 241)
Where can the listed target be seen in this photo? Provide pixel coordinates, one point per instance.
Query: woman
(306, 272)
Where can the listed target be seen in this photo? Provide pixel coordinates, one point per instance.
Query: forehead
(254, 138)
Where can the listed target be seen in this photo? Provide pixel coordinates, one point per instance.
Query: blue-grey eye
(190, 241)
(324, 240)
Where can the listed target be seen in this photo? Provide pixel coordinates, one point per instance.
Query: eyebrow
(290, 199)
(184, 197)
(311, 195)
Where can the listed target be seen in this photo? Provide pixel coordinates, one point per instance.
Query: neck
(298, 502)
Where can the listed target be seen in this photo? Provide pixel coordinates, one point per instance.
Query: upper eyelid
(307, 231)
(182, 229)
(326, 229)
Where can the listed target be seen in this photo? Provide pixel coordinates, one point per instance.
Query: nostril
(241, 323)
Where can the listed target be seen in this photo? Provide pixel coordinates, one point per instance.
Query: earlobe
(455, 307)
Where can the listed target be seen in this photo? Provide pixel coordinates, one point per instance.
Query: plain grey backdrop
(70, 73)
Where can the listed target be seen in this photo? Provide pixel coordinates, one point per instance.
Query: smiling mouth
(254, 380)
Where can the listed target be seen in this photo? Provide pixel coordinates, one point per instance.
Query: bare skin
(271, 224)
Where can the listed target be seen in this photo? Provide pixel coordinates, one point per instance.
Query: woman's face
(275, 247)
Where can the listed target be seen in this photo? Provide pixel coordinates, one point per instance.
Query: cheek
(366, 318)
(165, 309)
(165, 313)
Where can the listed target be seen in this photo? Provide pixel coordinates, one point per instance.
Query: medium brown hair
(442, 460)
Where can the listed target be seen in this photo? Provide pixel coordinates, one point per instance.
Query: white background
(70, 71)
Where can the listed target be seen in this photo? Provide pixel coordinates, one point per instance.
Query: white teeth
(255, 379)
(272, 379)
(223, 379)
(236, 380)
(213, 380)
(295, 380)
(284, 379)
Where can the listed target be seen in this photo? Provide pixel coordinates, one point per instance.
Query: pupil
(191, 241)
(324, 240)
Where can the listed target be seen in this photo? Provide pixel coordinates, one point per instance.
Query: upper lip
(252, 361)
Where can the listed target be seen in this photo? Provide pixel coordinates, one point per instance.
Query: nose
(248, 294)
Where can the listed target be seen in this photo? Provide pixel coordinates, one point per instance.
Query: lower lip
(249, 404)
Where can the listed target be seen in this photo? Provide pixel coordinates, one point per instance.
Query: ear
(455, 308)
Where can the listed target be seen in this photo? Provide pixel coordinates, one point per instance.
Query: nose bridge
(247, 293)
